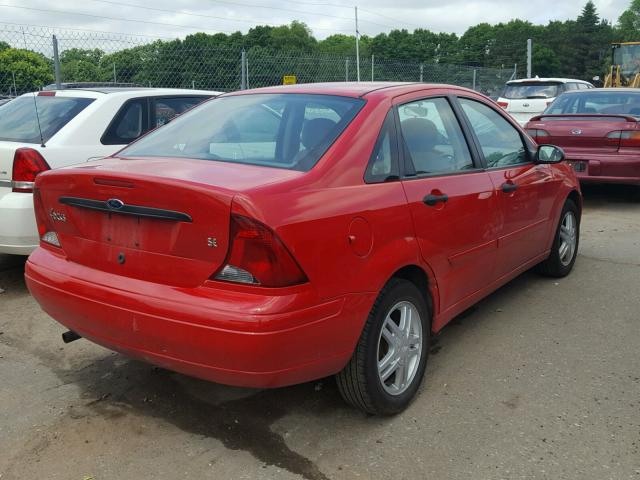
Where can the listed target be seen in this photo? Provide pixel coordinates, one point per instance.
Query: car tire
(383, 346)
(560, 261)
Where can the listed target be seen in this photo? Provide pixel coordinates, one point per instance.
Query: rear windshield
(18, 122)
(594, 101)
(286, 131)
(522, 90)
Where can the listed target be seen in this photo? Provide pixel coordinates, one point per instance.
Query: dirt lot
(540, 380)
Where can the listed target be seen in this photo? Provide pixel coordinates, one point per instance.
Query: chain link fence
(28, 60)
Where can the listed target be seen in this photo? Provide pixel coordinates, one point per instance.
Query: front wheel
(388, 363)
(565, 245)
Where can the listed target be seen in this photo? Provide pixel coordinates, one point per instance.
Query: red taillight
(47, 93)
(46, 229)
(537, 134)
(257, 256)
(627, 138)
(503, 104)
(27, 165)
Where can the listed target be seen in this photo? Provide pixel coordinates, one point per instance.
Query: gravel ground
(540, 380)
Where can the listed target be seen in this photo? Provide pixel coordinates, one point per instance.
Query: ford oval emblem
(576, 132)
(115, 203)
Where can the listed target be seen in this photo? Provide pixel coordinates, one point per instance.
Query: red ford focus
(281, 235)
(599, 132)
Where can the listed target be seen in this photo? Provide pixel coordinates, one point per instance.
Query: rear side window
(277, 130)
(129, 123)
(522, 90)
(383, 164)
(500, 142)
(432, 138)
(165, 109)
(18, 121)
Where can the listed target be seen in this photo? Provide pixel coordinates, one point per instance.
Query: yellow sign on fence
(289, 80)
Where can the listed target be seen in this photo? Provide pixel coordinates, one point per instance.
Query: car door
(526, 191)
(451, 199)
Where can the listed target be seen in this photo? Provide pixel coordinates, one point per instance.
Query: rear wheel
(388, 364)
(565, 245)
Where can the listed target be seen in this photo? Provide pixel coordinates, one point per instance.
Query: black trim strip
(135, 210)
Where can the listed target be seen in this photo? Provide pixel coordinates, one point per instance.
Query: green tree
(30, 70)
(545, 62)
(80, 65)
(628, 27)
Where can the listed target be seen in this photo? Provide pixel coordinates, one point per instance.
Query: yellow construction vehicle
(625, 65)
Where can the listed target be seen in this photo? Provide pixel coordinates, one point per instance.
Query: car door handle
(509, 187)
(432, 199)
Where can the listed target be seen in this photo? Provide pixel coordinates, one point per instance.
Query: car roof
(349, 89)
(548, 79)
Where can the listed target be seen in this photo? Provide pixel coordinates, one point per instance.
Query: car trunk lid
(583, 132)
(162, 220)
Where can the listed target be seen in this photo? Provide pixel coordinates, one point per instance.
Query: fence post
(15, 87)
(515, 71)
(115, 78)
(421, 72)
(346, 68)
(529, 55)
(56, 63)
(474, 79)
(246, 71)
(243, 72)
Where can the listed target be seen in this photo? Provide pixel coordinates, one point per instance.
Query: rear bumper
(18, 230)
(250, 340)
(613, 168)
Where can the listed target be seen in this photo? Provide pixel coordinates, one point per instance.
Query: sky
(178, 18)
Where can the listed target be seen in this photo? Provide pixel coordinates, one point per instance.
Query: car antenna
(35, 104)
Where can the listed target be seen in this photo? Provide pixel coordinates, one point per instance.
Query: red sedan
(281, 235)
(599, 132)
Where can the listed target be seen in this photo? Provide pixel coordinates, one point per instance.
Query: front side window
(500, 142)
(433, 139)
(18, 121)
(277, 130)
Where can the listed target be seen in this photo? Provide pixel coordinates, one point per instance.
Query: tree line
(577, 48)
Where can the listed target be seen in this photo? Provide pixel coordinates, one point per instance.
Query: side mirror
(549, 154)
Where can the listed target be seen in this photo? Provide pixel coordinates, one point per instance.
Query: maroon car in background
(598, 130)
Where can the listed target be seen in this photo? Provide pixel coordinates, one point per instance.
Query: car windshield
(285, 130)
(18, 121)
(522, 90)
(600, 102)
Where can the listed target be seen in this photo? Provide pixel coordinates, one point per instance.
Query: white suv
(53, 129)
(528, 97)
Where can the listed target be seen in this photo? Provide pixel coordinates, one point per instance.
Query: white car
(53, 129)
(525, 98)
